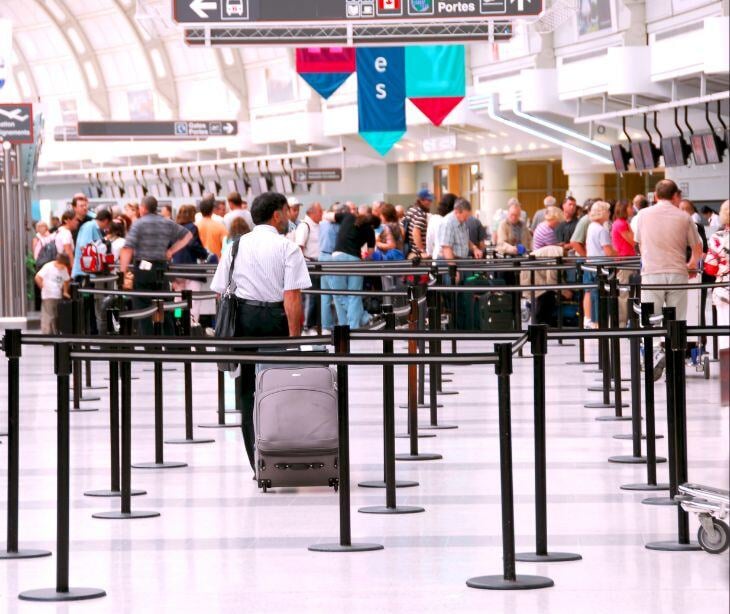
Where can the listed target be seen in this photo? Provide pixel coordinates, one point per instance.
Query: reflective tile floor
(222, 546)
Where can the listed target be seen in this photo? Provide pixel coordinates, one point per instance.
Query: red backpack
(96, 257)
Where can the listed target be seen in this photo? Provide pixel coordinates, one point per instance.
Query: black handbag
(225, 322)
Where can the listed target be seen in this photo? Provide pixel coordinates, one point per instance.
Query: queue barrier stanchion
(13, 350)
(90, 309)
(62, 591)
(538, 337)
(453, 325)
(647, 310)
(676, 350)
(77, 319)
(161, 283)
(388, 414)
(615, 358)
(115, 490)
(669, 314)
(413, 434)
(391, 506)
(159, 462)
(509, 580)
(125, 372)
(715, 346)
(342, 346)
(581, 319)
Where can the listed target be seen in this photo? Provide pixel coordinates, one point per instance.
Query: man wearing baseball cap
(417, 224)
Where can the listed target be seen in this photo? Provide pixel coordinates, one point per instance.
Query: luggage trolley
(711, 506)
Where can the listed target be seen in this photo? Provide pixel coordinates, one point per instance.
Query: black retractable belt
(78, 328)
(615, 357)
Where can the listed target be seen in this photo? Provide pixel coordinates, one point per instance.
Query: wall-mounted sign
(317, 175)
(439, 144)
(16, 123)
(197, 12)
(157, 130)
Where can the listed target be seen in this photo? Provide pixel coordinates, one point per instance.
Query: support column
(583, 186)
(407, 178)
(498, 185)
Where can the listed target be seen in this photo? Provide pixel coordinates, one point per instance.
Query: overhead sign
(317, 175)
(156, 130)
(16, 123)
(269, 11)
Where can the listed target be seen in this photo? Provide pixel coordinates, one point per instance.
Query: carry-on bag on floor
(295, 419)
(491, 311)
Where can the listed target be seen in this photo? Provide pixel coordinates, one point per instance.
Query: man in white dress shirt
(269, 274)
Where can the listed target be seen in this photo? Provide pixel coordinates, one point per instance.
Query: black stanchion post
(342, 347)
(433, 324)
(13, 350)
(715, 347)
(77, 317)
(420, 293)
(647, 310)
(539, 347)
(390, 507)
(62, 591)
(413, 435)
(614, 362)
(453, 272)
(676, 349)
(509, 580)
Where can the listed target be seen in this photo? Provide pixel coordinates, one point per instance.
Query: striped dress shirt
(267, 265)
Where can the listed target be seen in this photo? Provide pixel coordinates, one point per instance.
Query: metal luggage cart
(711, 506)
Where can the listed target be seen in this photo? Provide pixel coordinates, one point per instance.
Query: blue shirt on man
(88, 233)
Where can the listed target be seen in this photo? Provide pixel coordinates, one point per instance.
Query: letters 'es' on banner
(325, 69)
(381, 95)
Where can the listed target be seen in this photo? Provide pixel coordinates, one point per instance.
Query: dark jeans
(312, 305)
(254, 322)
(148, 280)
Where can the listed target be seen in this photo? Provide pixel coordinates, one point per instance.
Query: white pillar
(583, 186)
(499, 184)
(407, 178)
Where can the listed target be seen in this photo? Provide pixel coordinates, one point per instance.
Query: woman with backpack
(44, 251)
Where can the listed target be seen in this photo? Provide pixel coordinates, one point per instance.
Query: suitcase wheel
(265, 485)
(335, 483)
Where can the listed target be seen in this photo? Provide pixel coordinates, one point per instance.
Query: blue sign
(420, 7)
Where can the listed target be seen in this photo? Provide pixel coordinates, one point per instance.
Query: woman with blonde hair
(598, 245)
(544, 234)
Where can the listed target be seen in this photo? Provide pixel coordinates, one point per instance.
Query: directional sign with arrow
(203, 8)
(162, 130)
(16, 123)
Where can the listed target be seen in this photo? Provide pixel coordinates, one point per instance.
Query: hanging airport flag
(381, 96)
(325, 69)
(435, 79)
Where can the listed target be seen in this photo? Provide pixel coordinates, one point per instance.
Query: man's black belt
(246, 301)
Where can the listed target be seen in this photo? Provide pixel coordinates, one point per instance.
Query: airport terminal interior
(364, 305)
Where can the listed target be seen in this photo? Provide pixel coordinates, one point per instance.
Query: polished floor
(222, 546)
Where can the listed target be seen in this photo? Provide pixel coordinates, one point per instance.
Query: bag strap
(234, 253)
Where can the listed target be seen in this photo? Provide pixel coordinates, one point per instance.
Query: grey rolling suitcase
(295, 419)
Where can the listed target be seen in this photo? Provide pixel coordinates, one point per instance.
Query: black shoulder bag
(225, 322)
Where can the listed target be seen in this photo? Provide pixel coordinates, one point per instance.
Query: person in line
(53, 280)
(65, 235)
(622, 239)
(598, 245)
(166, 211)
(578, 238)
(454, 234)
(117, 232)
(328, 231)
(513, 235)
(639, 203)
(80, 207)
(544, 234)
(717, 264)
(44, 251)
(132, 213)
(711, 220)
(239, 227)
(55, 224)
(417, 221)
(539, 217)
(150, 244)
(307, 238)
(401, 212)
(295, 206)
(445, 206)
(237, 208)
(192, 253)
(269, 274)
(478, 234)
(390, 242)
(212, 233)
(566, 228)
(355, 232)
(664, 233)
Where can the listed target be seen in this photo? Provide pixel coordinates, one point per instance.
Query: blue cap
(425, 194)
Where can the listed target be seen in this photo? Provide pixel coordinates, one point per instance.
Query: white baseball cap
(294, 201)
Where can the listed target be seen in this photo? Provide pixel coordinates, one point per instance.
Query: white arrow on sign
(228, 128)
(199, 7)
(520, 4)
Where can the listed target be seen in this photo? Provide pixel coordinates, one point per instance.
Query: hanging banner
(325, 69)
(381, 93)
(435, 79)
(6, 48)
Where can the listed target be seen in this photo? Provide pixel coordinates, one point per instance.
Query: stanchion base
(443, 381)
(438, 427)
(125, 515)
(599, 405)
(191, 441)
(112, 493)
(613, 418)
(84, 399)
(633, 460)
(381, 484)
(165, 465)
(623, 379)
(550, 557)
(593, 370)
(629, 436)
(399, 509)
(164, 370)
(600, 389)
(447, 392)
(421, 456)
(660, 501)
(23, 554)
(95, 387)
(421, 406)
(498, 583)
(420, 435)
(647, 487)
(233, 411)
(131, 378)
(578, 363)
(72, 594)
(219, 426)
(341, 548)
(673, 546)
(80, 410)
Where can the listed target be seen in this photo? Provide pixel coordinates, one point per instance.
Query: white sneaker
(326, 331)
(587, 323)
